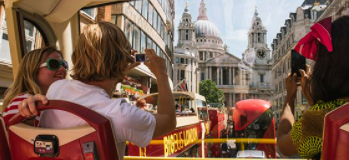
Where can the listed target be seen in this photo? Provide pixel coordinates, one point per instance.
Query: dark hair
(330, 78)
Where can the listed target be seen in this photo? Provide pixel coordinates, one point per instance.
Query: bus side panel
(172, 144)
(269, 149)
(217, 120)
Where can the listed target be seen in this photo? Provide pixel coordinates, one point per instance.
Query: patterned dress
(307, 131)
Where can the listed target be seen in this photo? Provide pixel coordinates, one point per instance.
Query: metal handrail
(175, 158)
(219, 140)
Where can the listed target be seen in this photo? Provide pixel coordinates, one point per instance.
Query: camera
(140, 57)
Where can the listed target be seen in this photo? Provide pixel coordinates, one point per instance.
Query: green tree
(212, 94)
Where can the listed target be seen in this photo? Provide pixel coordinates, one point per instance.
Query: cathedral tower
(257, 40)
(186, 29)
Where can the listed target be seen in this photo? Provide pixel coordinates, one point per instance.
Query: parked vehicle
(251, 154)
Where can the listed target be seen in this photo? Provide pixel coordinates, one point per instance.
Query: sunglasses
(55, 64)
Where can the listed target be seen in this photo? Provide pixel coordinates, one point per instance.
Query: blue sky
(234, 17)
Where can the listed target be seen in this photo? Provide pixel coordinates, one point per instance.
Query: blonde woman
(101, 59)
(37, 71)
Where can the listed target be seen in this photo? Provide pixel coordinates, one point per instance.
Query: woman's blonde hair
(26, 80)
(102, 53)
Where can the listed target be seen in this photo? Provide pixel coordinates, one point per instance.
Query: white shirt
(130, 123)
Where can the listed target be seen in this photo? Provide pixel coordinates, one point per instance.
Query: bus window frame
(45, 29)
(15, 27)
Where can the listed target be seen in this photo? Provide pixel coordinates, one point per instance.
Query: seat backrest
(79, 143)
(4, 149)
(336, 134)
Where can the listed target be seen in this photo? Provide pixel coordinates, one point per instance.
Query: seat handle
(91, 117)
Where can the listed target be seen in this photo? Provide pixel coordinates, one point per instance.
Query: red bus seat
(4, 149)
(336, 135)
(95, 140)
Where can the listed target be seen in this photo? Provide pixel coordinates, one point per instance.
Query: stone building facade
(296, 27)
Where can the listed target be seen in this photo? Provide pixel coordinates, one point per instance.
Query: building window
(182, 74)
(186, 35)
(162, 30)
(149, 42)
(182, 60)
(159, 24)
(136, 38)
(157, 50)
(201, 55)
(202, 76)
(5, 47)
(155, 20)
(138, 6)
(177, 60)
(154, 46)
(261, 78)
(31, 36)
(91, 12)
(143, 42)
(150, 14)
(145, 9)
(128, 30)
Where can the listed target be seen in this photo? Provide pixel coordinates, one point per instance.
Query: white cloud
(240, 35)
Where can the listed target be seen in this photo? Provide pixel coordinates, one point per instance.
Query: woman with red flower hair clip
(326, 89)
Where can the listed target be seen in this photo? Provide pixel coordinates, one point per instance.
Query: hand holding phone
(297, 62)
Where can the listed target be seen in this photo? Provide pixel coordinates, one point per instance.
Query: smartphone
(297, 63)
(140, 57)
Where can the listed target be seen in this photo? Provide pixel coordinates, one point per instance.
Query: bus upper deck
(31, 24)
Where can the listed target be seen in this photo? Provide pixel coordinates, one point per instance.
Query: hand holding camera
(140, 57)
(156, 64)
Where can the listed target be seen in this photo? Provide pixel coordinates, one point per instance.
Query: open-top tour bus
(31, 24)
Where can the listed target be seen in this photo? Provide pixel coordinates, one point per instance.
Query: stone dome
(205, 28)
